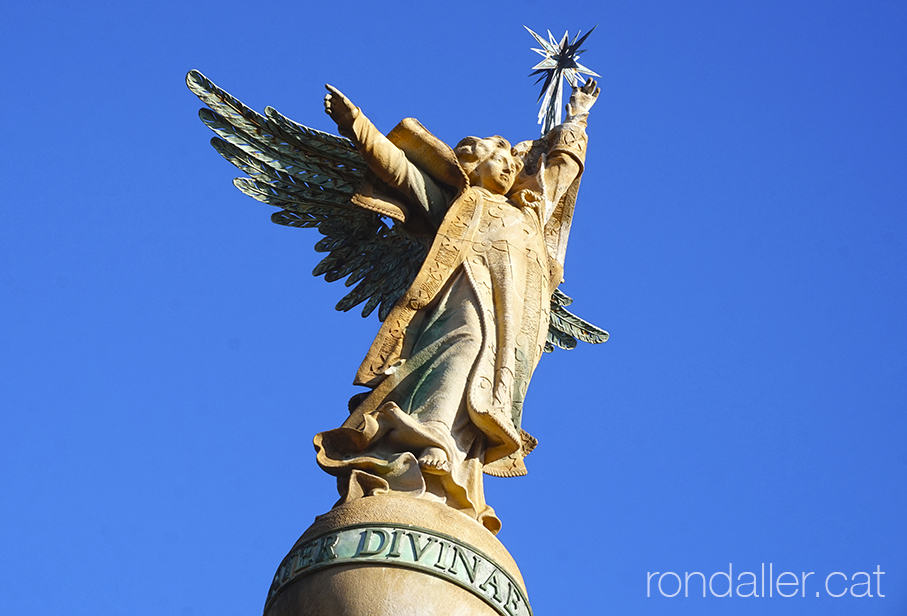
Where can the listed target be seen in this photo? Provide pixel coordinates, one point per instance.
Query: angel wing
(311, 176)
(565, 328)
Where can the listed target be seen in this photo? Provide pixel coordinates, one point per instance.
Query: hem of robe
(354, 455)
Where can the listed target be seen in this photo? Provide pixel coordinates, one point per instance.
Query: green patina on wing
(311, 176)
(565, 328)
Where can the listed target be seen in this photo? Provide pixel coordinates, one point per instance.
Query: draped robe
(451, 363)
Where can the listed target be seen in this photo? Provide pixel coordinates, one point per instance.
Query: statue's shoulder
(429, 153)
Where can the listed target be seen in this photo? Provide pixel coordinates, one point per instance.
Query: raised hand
(341, 109)
(582, 99)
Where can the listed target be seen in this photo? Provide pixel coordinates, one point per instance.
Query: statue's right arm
(567, 144)
(385, 159)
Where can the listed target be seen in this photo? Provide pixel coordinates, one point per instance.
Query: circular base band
(396, 555)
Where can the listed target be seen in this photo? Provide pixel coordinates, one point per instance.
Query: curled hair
(499, 142)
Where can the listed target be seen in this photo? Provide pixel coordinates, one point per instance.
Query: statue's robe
(451, 363)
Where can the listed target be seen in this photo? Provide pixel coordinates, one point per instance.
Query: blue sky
(741, 232)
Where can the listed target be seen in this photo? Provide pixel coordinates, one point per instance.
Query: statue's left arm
(386, 160)
(566, 147)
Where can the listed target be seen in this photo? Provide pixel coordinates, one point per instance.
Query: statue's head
(489, 163)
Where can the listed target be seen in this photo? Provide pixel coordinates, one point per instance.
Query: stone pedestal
(396, 556)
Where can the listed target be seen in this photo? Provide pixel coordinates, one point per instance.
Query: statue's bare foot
(434, 461)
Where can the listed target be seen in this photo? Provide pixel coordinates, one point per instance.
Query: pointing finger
(335, 92)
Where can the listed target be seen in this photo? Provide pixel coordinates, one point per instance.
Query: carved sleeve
(391, 165)
(564, 160)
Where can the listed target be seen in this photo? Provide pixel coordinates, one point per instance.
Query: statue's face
(488, 163)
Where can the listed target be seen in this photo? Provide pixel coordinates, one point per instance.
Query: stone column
(391, 555)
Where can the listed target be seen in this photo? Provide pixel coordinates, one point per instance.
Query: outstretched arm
(385, 159)
(581, 101)
(568, 144)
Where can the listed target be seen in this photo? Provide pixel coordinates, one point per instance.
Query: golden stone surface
(376, 588)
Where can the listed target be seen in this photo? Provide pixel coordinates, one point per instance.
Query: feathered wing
(311, 176)
(565, 328)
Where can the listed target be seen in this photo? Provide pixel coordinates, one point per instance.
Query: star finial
(560, 61)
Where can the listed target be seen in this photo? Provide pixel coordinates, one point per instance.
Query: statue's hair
(500, 142)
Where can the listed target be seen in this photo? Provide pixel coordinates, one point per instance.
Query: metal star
(560, 61)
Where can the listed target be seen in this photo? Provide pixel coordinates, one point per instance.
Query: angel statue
(461, 251)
